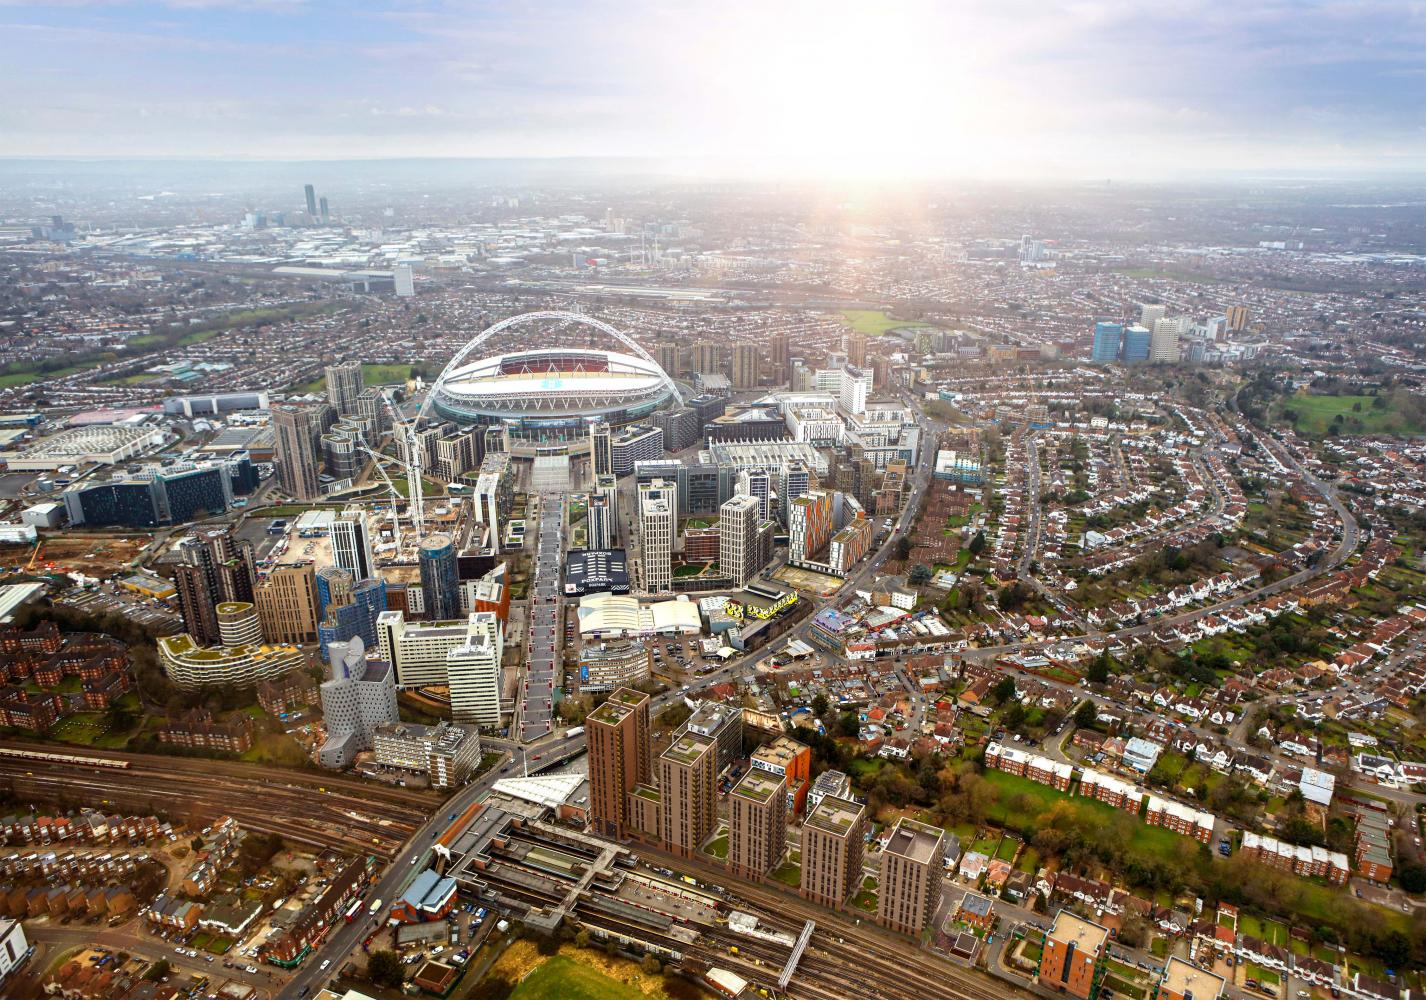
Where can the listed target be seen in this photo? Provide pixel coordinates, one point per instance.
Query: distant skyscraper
(440, 582)
(738, 538)
(297, 430)
(405, 280)
(1136, 344)
(856, 349)
(1151, 313)
(666, 353)
(344, 386)
(322, 207)
(351, 545)
(658, 511)
(746, 373)
(707, 358)
(1163, 343)
(601, 449)
(311, 200)
(1108, 338)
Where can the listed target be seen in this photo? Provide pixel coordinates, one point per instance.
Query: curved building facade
(191, 666)
(553, 394)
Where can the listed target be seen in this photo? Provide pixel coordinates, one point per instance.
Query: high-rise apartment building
(311, 194)
(856, 349)
(688, 778)
(666, 354)
(215, 567)
(473, 672)
(746, 366)
(345, 385)
(1108, 340)
(707, 358)
(912, 864)
(658, 511)
(1151, 313)
(1071, 957)
(601, 449)
(757, 483)
(440, 579)
(351, 545)
(599, 526)
(1237, 317)
(738, 538)
(287, 604)
(297, 430)
(809, 526)
(757, 825)
(351, 611)
(617, 736)
(833, 844)
(1136, 344)
(1164, 341)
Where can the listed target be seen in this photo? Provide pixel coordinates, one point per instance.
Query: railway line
(208, 768)
(295, 810)
(840, 950)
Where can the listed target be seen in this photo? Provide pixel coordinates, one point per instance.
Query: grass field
(1150, 839)
(25, 378)
(1315, 414)
(874, 323)
(372, 374)
(718, 846)
(561, 978)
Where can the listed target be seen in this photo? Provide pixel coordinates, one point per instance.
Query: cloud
(1077, 85)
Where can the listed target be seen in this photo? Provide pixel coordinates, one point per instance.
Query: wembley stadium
(554, 392)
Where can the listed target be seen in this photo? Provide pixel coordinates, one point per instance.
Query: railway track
(888, 964)
(296, 811)
(275, 776)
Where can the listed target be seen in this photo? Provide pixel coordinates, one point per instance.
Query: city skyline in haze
(1010, 89)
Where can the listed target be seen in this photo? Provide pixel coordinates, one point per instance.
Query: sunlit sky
(997, 88)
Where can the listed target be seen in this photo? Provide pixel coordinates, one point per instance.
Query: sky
(879, 88)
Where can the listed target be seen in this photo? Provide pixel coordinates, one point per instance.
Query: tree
(848, 724)
(903, 548)
(1098, 672)
(650, 965)
(1004, 690)
(820, 705)
(581, 940)
(1085, 715)
(384, 969)
(977, 544)
(1413, 877)
(157, 971)
(920, 573)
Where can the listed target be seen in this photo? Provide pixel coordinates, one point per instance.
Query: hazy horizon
(1006, 90)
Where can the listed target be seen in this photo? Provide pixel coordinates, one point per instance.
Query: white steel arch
(545, 314)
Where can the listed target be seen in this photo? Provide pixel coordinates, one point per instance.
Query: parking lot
(147, 613)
